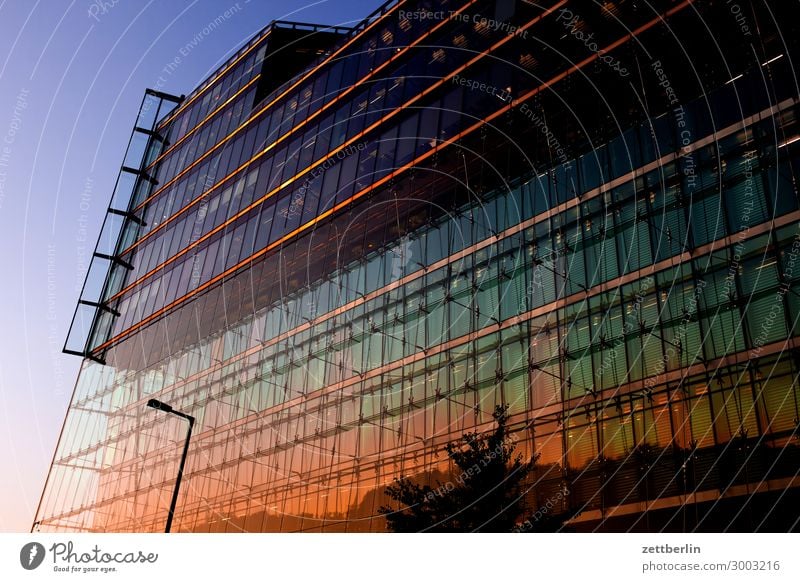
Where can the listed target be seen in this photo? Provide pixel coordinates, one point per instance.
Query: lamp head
(158, 405)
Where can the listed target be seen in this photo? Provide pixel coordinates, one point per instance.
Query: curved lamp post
(158, 405)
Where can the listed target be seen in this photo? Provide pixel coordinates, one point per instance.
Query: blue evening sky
(72, 75)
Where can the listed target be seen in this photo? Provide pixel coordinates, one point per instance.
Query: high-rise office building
(347, 246)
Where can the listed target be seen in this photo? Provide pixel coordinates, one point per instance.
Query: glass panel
(149, 112)
(81, 326)
(123, 193)
(95, 279)
(136, 150)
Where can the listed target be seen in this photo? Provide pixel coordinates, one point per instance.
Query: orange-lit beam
(268, 105)
(321, 161)
(393, 175)
(204, 120)
(217, 76)
(328, 105)
(279, 141)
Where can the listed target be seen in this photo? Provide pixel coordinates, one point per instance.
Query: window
(264, 227)
(407, 140)
(387, 144)
(347, 177)
(292, 157)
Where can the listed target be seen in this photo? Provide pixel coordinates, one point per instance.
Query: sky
(72, 76)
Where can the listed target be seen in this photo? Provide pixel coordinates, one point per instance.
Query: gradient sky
(72, 75)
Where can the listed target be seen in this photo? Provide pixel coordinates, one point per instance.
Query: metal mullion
(212, 114)
(378, 123)
(303, 227)
(299, 82)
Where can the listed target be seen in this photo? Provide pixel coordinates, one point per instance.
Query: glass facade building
(347, 246)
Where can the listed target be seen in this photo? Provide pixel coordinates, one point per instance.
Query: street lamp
(158, 405)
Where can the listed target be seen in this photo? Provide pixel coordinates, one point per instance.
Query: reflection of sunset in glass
(81, 77)
(349, 247)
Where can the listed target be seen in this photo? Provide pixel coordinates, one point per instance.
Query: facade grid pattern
(635, 303)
